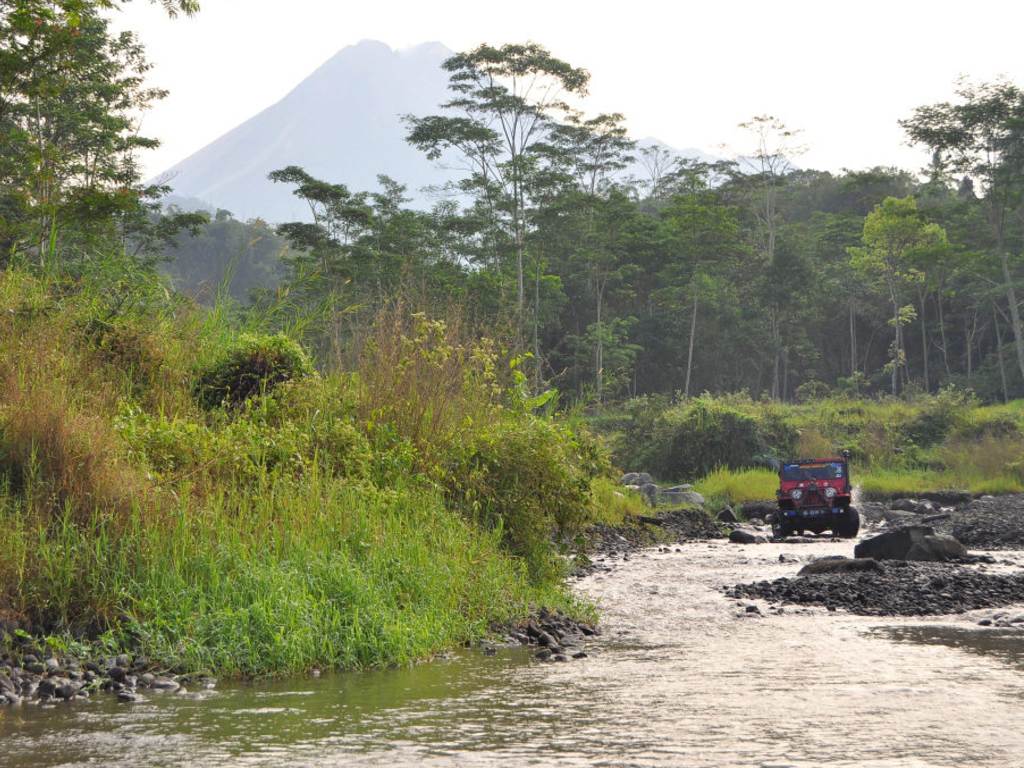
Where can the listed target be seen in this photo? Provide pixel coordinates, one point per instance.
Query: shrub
(812, 390)
(938, 417)
(253, 365)
(693, 438)
(523, 476)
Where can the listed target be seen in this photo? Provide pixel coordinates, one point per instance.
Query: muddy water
(681, 677)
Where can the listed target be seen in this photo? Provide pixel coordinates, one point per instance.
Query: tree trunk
(942, 333)
(853, 342)
(689, 353)
(895, 347)
(999, 354)
(924, 343)
(599, 350)
(1011, 299)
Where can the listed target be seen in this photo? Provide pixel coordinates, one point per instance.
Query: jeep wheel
(780, 530)
(848, 525)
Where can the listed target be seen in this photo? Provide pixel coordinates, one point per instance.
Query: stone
(650, 492)
(758, 509)
(128, 697)
(165, 684)
(636, 478)
(839, 564)
(726, 515)
(911, 505)
(894, 544)
(937, 548)
(742, 536)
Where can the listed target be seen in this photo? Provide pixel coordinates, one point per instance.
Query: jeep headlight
(796, 494)
(830, 492)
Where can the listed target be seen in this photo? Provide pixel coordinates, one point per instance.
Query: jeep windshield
(830, 470)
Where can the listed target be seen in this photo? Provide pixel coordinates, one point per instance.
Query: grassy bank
(185, 485)
(899, 447)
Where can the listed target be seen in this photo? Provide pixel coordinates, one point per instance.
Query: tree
(505, 102)
(70, 99)
(768, 166)
(894, 233)
(983, 136)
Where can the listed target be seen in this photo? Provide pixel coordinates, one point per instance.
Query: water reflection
(1006, 645)
(682, 677)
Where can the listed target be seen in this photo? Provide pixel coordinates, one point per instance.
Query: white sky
(684, 72)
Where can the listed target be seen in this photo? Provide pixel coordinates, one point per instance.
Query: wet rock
(128, 697)
(542, 655)
(117, 674)
(165, 684)
(743, 536)
(726, 515)
(838, 564)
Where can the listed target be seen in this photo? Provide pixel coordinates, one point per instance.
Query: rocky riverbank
(553, 636)
(31, 676)
(892, 588)
(986, 522)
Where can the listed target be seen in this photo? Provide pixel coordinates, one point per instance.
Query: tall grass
(725, 486)
(346, 519)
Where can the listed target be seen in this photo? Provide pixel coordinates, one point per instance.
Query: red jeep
(814, 495)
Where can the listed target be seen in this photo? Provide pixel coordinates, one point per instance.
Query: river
(681, 676)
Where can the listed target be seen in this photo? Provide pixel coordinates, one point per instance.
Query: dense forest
(750, 275)
(753, 275)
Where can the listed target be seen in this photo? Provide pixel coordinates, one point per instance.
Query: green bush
(693, 438)
(938, 417)
(812, 390)
(528, 478)
(253, 365)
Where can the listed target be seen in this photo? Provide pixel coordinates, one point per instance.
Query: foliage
(688, 440)
(253, 365)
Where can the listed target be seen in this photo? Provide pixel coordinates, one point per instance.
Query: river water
(681, 676)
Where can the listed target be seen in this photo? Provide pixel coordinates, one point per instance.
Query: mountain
(342, 124)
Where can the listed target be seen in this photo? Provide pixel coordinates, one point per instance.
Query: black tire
(780, 530)
(848, 526)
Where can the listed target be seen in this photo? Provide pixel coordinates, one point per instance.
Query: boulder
(743, 536)
(726, 515)
(757, 509)
(937, 548)
(894, 544)
(911, 542)
(636, 478)
(838, 564)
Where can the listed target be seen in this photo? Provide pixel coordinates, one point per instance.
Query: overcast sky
(684, 72)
